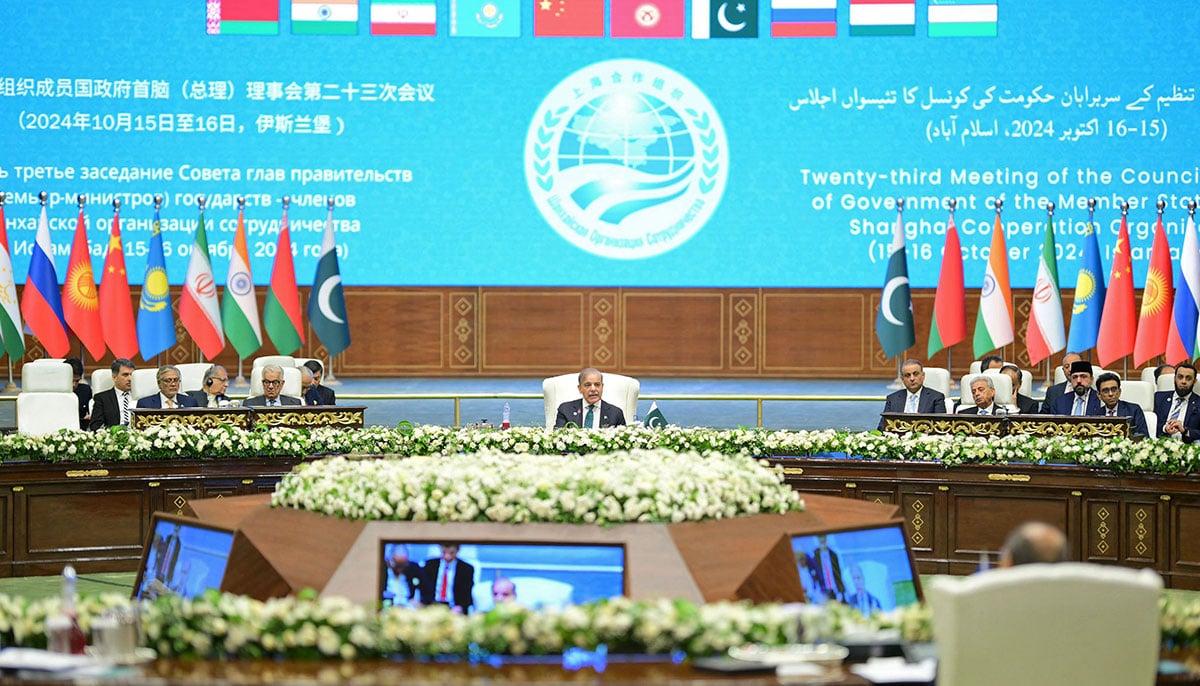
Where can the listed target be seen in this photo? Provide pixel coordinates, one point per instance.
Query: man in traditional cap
(1083, 400)
(1058, 389)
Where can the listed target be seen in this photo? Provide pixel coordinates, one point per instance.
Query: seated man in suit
(1025, 404)
(1081, 400)
(862, 599)
(590, 412)
(324, 393)
(983, 392)
(448, 580)
(216, 382)
(1034, 543)
(310, 392)
(272, 383)
(914, 397)
(1179, 410)
(1058, 389)
(1108, 386)
(111, 407)
(403, 575)
(168, 396)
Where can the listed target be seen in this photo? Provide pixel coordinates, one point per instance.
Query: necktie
(272, 403)
(983, 412)
(170, 403)
(1176, 408)
(827, 568)
(911, 405)
(589, 418)
(445, 585)
(1078, 409)
(125, 409)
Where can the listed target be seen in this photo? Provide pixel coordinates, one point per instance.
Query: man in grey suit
(914, 397)
(272, 383)
(590, 412)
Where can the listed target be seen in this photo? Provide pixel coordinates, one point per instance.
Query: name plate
(1008, 425)
(292, 416)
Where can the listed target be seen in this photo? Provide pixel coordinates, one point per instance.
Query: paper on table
(893, 670)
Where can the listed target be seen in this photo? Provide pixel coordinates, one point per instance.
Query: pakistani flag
(327, 303)
(894, 323)
(655, 418)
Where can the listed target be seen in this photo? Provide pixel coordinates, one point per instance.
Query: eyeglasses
(272, 382)
(169, 381)
(222, 379)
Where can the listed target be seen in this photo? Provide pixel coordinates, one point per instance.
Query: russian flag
(41, 303)
(803, 18)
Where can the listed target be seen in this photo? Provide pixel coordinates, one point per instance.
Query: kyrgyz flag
(949, 324)
(1155, 319)
(1118, 324)
(81, 303)
(155, 320)
(326, 302)
(281, 313)
(41, 303)
(199, 310)
(1046, 334)
(116, 312)
(1089, 295)
(239, 309)
(10, 312)
(994, 325)
(894, 322)
(1181, 341)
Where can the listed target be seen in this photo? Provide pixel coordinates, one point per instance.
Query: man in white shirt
(168, 396)
(272, 395)
(111, 407)
(983, 392)
(914, 397)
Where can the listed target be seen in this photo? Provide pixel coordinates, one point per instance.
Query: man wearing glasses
(272, 383)
(1108, 386)
(168, 396)
(216, 381)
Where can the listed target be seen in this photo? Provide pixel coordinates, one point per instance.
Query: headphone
(208, 381)
(208, 375)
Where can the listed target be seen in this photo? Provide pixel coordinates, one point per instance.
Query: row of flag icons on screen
(629, 18)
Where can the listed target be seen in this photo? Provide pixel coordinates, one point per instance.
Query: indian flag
(994, 325)
(242, 17)
(882, 18)
(403, 18)
(962, 19)
(239, 309)
(336, 17)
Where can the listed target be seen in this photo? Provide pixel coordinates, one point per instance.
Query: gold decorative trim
(201, 418)
(1019, 478)
(1164, 497)
(349, 418)
(943, 488)
(153, 484)
(945, 424)
(793, 471)
(851, 484)
(86, 473)
(18, 489)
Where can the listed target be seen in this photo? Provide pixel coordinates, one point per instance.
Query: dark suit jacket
(838, 592)
(1064, 403)
(261, 401)
(154, 402)
(319, 395)
(1190, 415)
(928, 401)
(1125, 409)
(974, 409)
(84, 393)
(328, 397)
(201, 398)
(1052, 394)
(572, 412)
(106, 409)
(1026, 405)
(464, 581)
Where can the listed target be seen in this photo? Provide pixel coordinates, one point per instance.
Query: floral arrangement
(175, 442)
(641, 485)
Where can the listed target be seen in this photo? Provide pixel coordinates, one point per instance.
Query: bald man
(1034, 542)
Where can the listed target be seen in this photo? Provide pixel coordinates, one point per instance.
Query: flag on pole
(11, 329)
(281, 313)
(81, 303)
(327, 302)
(1154, 321)
(949, 324)
(994, 325)
(1118, 326)
(155, 321)
(199, 310)
(894, 322)
(1089, 295)
(1045, 334)
(116, 313)
(239, 309)
(1181, 341)
(41, 303)
(655, 418)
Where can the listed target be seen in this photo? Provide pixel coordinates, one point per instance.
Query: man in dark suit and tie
(212, 392)
(168, 396)
(111, 407)
(324, 394)
(1023, 403)
(1108, 386)
(914, 397)
(1082, 400)
(1179, 410)
(983, 392)
(448, 580)
(590, 412)
(1058, 389)
(272, 384)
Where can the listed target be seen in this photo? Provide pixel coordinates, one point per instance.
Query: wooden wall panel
(527, 330)
(673, 332)
(114, 519)
(818, 333)
(399, 333)
(981, 521)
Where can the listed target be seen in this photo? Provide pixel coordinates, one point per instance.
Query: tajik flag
(199, 311)
(239, 309)
(894, 322)
(1046, 333)
(327, 303)
(10, 312)
(994, 325)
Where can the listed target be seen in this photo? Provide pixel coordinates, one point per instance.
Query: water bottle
(504, 420)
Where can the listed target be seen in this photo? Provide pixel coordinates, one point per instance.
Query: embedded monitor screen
(183, 556)
(870, 568)
(416, 573)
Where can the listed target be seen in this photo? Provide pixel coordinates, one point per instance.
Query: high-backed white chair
(938, 378)
(291, 382)
(46, 402)
(1140, 393)
(1003, 385)
(145, 383)
(281, 360)
(1043, 624)
(191, 376)
(1148, 374)
(101, 380)
(1166, 382)
(619, 390)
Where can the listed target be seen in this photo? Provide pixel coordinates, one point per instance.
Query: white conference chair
(1044, 624)
(191, 376)
(1003, 385)
(281, 360)
(938, 378)
(619, 390)
(1140, 393)
(101, 380)
(145, 382)
(1148, 374)
(47, 401)
(1166, 382)
(291, 382)
(976, 367)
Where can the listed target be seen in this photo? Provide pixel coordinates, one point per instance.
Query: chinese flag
(1155, 319)
(568, 18)
(647, 18)
(81, 306)
(1118, 325)
(116, 307)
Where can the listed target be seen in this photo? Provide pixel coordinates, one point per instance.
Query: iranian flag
(403, 18)
(994, 325)
(10, 312)
(1046, 333)
(198, 309)
(239, 309)
(281, 313)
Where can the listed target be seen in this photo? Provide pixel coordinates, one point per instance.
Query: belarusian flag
(10, 313)
(199, 311)
(239, 309)
(994, 325)
(1046, 333)
(337, 17)
(894, 322)
(949, 324)
(281, 313)
(327, 302)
